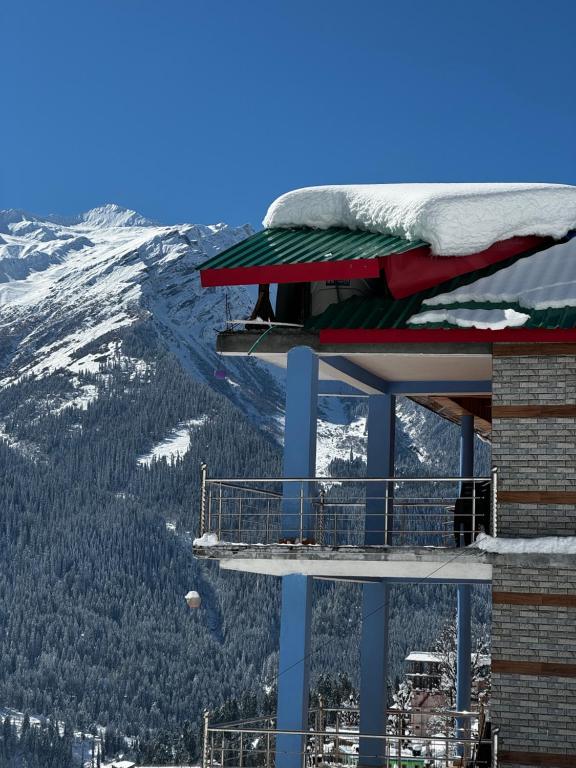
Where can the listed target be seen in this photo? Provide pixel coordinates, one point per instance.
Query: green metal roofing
(275, 247)
(381, 312)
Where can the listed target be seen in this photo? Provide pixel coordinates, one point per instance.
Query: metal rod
(494, 531)
(332, 480)
(206, 739)
(203, 473)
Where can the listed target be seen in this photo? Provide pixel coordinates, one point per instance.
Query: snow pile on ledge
(206, 540)
(456, 219)
(494, 319)
(546, 280)
(555, 545)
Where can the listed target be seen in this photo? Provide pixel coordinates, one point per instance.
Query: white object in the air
(555, 545)
(193, 599)
(545, 280)
(456, 219)
(206, 540)
(492, 319)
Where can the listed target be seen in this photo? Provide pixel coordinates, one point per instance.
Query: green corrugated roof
(376, 312)
(274, 247)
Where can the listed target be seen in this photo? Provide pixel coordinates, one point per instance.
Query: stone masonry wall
(535, 454)
(536, 713)
(534, 597)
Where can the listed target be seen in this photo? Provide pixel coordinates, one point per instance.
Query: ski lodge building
(461, 297)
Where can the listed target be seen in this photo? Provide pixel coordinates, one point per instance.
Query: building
(473, 315)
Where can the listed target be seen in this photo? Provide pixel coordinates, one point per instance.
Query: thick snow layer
(206, 540)
(456, 219)
(494, 319)
(556, 545)
(544, 280)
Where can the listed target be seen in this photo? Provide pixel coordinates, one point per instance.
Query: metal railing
(336, 741)
(418, 511)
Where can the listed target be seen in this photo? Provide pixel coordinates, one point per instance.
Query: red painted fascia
(448, 335)
(292, 273)
(415, 271)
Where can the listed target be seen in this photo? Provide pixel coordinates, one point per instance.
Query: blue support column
(299, 440)
(376, 596)
(295, 620)
(464, 614)
(293, 681)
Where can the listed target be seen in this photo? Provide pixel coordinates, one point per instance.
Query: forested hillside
(106, 356)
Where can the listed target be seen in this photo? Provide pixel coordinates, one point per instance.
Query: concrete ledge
(405, 564)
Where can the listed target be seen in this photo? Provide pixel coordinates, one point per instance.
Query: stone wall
(534, 453)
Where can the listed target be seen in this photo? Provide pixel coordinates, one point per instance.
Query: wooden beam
(533, 668)
(537, 759)
(533, 411)
(537, 497)
(533, 598)
(541, 349)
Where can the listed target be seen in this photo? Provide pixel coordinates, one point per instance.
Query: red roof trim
(450, 335)
(291, 273)
(416, 270)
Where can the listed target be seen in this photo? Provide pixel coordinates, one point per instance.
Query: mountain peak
(113, 215)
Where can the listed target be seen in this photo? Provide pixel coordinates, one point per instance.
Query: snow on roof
(422, 656)
(456, 219)
(494, 319)
(556, 545)
(436, 658)
(545, 280)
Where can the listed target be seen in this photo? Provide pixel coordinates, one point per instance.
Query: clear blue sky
(205, 110)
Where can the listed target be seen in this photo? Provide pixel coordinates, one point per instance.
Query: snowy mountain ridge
(71, 286)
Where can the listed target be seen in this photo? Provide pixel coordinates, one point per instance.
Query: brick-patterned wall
(536, 713)
(535, 454)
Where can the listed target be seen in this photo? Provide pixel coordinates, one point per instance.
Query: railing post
(321, 517)
(268, 749)
(319, 738)
(473, 533)
(219, 511)
(240, 517)
(206, 736)
(301, 512)
(203, 473)
(494, 531)
(240, 757)
(495, 733)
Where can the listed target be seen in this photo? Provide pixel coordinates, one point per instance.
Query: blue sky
(205, 110)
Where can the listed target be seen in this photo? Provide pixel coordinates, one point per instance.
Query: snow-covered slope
(65, 286)
(70, 287)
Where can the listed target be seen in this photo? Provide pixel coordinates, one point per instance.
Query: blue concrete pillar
(464, 612)
(293, 680)
(376, 596)
(299, 441)
(295, 619)
(380, 463)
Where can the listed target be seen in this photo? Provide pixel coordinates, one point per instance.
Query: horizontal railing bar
(340, 734)
(336, 480)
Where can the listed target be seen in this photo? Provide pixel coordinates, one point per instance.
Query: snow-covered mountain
(71, 286)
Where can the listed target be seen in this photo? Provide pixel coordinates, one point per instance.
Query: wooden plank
(537, 759)
(534, 598)
(533, 668)
(533, 411)
(537, 497)
(543, 349)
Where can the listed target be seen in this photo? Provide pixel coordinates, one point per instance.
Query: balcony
(266, 524)
(333, 738)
